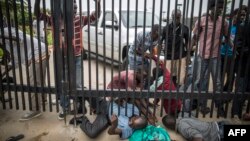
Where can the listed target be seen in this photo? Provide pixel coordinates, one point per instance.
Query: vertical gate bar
(104, 47)
(159, 49)
(5, 61)
(112, 50)
(180, 56)
(82, 66)
(89, 51)
(18, 54)
(231, 71)
(47, 56)
(33, 84)
(222, 76)
(150, 61)
(25, 55)
(71, 58)
(189, 47)
(248, 44)
(205, 34)
(97, 53)
(11, 52)
(57, 53)
(165, 56)
(120, 67)
(40, 95)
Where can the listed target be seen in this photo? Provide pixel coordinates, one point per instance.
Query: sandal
(15, 138)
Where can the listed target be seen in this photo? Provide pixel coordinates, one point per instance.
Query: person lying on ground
(193, 129)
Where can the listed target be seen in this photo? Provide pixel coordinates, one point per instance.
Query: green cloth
(150, 133)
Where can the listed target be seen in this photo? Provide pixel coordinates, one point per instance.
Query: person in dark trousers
(242, 64)
(193, 129)
(176, 36)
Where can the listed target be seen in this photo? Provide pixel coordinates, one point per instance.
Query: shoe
(30, 115)
(205, 110)
(61, 115)
(236, 120)
(15, 138)
(78, 120)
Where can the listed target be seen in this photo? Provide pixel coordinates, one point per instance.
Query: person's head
(160, 72)
(138, 122)
(155, 32)
(140, 74)
(216, 8)
(169, 122)
(239, 16)
(176, 16)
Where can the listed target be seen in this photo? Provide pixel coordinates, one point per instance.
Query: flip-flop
(15, 138)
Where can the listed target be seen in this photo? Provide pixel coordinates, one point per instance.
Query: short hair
(176, 11)
(160, 72)
(142, 123)
(155, 28)
(169, 122)
(213, 2)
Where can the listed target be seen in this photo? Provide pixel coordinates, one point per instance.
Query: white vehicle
(120, 45)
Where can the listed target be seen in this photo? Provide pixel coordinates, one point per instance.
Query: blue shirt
(225, 48)
(123, 118)
(141, 45)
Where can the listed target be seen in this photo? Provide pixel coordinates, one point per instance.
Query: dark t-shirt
(181, 40)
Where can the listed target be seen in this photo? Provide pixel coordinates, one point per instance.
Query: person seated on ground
(162, 82)
(150, 133)
(124, 118)
(193, 129)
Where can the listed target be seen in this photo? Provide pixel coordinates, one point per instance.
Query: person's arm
(92, 17)
(113, 130)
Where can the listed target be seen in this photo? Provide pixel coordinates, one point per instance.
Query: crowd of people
(223, 48)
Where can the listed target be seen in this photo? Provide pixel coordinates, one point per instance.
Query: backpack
(150, 133)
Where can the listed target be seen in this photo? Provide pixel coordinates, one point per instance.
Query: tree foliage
(15, 7)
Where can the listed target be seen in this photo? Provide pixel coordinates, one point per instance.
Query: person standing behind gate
(144, 42)
(78, 48)
(209, 49)
(176, 37)
(38, 62)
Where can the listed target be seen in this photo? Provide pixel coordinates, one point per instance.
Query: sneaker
(61, 115)
(30, 115)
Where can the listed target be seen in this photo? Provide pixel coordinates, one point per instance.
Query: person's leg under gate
(216, 77)
(204, 79)
(94, 129)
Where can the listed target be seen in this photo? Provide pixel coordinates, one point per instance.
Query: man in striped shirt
(79, 23)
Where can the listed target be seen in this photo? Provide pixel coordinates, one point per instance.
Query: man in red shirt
(79, 23)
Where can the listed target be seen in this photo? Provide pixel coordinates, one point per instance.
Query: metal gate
(40, 60)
